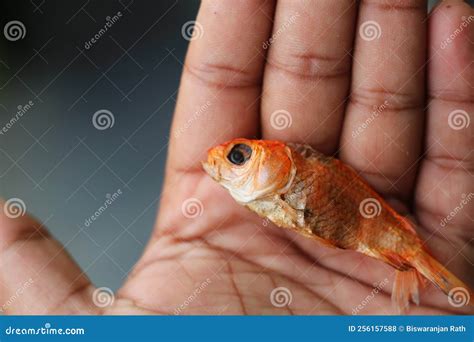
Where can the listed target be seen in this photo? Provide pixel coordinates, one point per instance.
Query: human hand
(326, 77)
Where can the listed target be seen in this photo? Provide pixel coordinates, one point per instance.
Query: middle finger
(307, 72)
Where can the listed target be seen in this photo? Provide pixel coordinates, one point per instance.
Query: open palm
(347, 78)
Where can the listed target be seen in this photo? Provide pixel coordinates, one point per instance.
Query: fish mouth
(210, 169)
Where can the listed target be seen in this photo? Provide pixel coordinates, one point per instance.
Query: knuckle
(310, 65)
(399, 5)
(394, 100)
(221, 75)
(449, 95)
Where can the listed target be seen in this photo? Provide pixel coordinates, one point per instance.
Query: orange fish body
(320, 197)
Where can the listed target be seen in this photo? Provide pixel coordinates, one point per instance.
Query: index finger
(221, 82)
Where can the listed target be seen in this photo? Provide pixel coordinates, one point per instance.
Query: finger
(445, 190)
(221, 82)
(307, 72)
(37, 276)
(382, 131)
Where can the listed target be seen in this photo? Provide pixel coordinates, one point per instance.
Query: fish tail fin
(459, 294)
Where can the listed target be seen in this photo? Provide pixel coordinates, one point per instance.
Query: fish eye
(239, 154)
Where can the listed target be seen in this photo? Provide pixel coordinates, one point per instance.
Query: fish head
(251, 169)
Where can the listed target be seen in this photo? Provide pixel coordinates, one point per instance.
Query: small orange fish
(321, 198)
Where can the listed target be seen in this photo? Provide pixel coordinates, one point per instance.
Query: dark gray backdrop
(53, 158)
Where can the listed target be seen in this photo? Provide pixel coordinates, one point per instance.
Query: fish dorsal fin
(304, 149)
(307, 152)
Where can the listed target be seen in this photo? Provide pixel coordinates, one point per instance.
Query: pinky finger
(446, 178)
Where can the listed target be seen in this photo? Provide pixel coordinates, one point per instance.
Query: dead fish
(324, 199)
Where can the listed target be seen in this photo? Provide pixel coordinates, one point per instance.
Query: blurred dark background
(53, 158)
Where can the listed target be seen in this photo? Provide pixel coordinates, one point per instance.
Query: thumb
(37, 275)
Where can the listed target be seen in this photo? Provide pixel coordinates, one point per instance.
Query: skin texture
(408, 153)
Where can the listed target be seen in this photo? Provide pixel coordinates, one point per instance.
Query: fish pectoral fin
(296, 216)
(278, 211)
